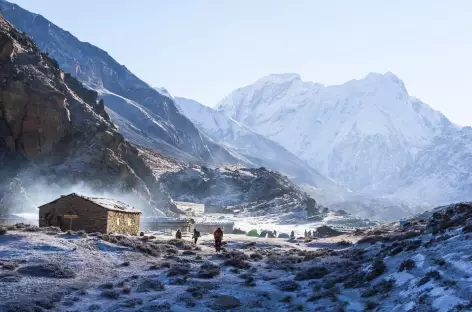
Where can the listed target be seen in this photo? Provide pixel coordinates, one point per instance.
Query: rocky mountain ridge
(142, 114)
(245, 191)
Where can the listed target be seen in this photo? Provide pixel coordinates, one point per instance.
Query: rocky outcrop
(242, 190)
(54, 126)
(144, 115)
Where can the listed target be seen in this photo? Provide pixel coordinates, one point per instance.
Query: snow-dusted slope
(359, 133)
(441, 173)
(252, 146)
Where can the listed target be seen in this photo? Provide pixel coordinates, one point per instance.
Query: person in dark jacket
(218, 235)
(196, 235)
(292, 235)
(178, 235)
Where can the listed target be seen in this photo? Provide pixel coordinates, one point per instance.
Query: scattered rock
(150, 284)
(226, 302)
(110, 294)
(179, 269)
(326, 231)
(382, 287)
(20, 307)
(256, 256)
(106, 286)
(45, 303)
(126, 290)
(344, 243)
(288, 285)
(378, 268)
(9, 265)
(9, 278)
(407, 264)
(311, 273)
(237, 263)
(131, 303)
(47, 270)
(208, 270)
(286, 299)
(94, 307)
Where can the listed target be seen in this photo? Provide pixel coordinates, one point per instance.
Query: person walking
(196, 235)
(292, 235)
(178, 235)
(218, 235)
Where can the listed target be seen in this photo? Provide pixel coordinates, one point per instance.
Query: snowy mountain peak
(358, 133)
(280, 78)
(387, 81)
(387, 75)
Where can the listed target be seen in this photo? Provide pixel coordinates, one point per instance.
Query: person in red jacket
(218, 235)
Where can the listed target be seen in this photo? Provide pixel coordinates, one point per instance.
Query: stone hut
(90, 214)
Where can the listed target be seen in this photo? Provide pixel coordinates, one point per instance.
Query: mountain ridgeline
(149, 117)
(254, 148)
(369, 134)
(354, 145)
(142, 114)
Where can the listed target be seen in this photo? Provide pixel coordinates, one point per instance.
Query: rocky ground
(424, 267)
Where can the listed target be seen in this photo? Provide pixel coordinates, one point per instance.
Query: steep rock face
(150, 117)
(255, 148)
(52, 127)
(360, 133)
(253, 191)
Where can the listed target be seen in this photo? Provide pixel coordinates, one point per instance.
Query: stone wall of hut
(91, 218)
(123, 222)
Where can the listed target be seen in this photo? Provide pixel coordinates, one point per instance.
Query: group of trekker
(218, 235)
(309, 233)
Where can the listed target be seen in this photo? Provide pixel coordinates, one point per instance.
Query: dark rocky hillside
(234, 189)
(54, 128)
(143, 115)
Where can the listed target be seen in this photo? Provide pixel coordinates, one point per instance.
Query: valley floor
(389, 269)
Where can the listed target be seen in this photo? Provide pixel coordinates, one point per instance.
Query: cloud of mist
(26, 192)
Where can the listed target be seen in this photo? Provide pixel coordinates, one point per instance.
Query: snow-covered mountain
(361, 133)
(253, 147)
(441, 173)
(143, 114)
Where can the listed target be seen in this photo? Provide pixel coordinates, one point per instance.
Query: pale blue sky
(204, 49)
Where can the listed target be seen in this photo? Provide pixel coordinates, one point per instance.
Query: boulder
(226, 302)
